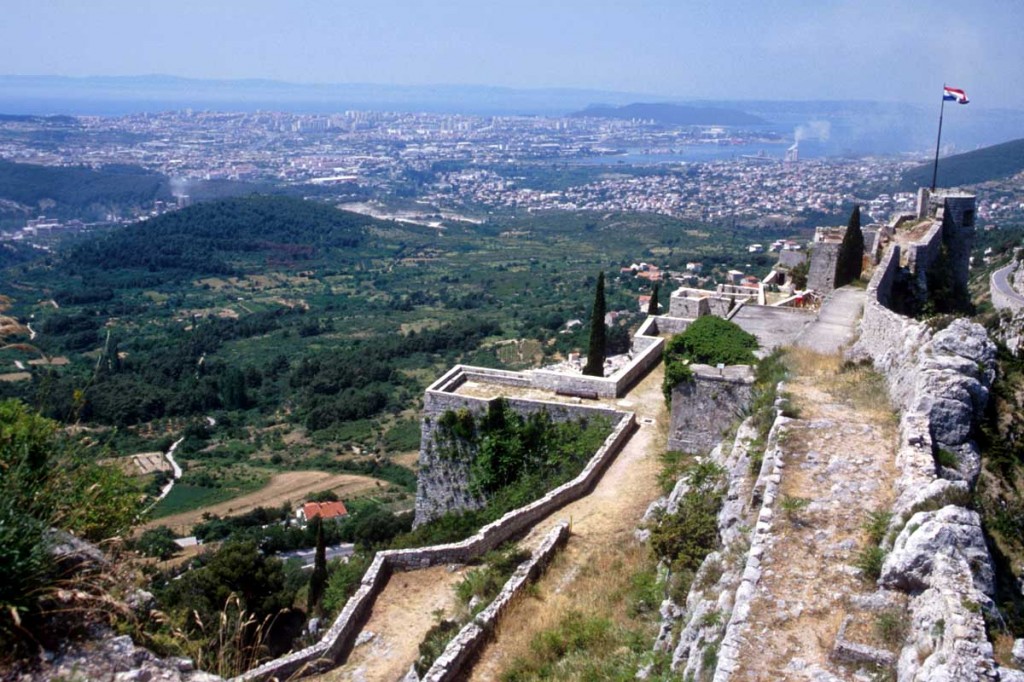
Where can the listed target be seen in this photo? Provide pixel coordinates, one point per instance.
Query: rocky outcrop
(950, 531)
(118, 659)
(941, 383)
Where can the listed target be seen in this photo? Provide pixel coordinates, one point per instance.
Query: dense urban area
(435, 167)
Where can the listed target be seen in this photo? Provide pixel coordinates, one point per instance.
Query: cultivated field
(293, 486)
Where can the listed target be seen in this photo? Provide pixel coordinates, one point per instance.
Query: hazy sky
(730, 49)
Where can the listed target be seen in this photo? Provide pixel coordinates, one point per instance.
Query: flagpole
(938, 140)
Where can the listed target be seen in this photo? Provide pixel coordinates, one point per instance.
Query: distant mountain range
(673, 114)
(117, 95)
(981, 165)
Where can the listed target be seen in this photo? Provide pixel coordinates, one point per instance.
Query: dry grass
(592, 583)
(844, 437)
(401, 616)
(1003, 649)
(828, 378)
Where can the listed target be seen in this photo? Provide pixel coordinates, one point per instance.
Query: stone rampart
(705, 407)
(921, 255)
(444, 480)
(821, 274)
(940, 382)
(600, 387)
(467, 643)
(338, 641)
(671, 325)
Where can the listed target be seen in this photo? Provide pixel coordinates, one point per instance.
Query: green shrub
(673, 465)
(876, 525)
(686, 537)
(343, 580)
(869, 560)
(157, 542)
(791, 506)
(434, 644)
(47, 481)
(946, 458)
(891, 627)
(676, 372)
(712, 340)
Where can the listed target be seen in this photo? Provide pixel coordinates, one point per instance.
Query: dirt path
(404, 612)
(292, 486)
(838, 466)
(602, 525)
(401, 617)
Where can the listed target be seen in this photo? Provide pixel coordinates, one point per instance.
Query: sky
(890, 50)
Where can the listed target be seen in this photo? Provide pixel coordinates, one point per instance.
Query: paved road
(836, 321)
(1001, 282)
(309, 555)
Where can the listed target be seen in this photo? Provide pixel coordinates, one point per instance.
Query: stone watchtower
(954, 210)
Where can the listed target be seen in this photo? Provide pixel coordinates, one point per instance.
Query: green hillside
(991, 163)
(79, 191)
(220, 237)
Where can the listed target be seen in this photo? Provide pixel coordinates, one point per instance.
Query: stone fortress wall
(705, 407)
(471, 638)
(339, 639)
(444, 482)
(940, 382)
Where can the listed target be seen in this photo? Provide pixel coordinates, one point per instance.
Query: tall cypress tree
(318, 580)
(851, 251)
(595, 355)
(652, 307)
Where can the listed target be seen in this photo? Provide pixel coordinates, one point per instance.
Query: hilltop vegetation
(76, 191)
(49, 484)
(216, 237)
(981, 165)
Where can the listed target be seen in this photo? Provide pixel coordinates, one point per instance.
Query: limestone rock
(1018, 651)
(949, 531)
(117, 658)
(947, 641)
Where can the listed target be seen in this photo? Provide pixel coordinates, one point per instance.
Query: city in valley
(434, 167)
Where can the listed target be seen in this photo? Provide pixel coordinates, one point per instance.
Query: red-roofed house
(325, 510)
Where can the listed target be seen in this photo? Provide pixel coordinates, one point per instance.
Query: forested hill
(78, 191)
(991, 163)
(218, 236)
(673, 114)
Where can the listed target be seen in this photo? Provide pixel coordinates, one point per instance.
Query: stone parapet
(467, 643)
(339, 639)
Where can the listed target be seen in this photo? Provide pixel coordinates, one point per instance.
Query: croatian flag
(954, 95)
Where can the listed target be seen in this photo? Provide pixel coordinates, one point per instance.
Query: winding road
(1001, 282)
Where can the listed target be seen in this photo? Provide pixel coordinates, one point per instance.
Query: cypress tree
(652, 307)
(851, 251)
(595, 355)
(318, 580)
